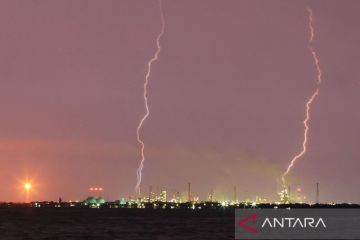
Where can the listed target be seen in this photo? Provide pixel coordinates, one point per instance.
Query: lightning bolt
(311, 28)
(147, 111)
(306, 131)
(309, 101)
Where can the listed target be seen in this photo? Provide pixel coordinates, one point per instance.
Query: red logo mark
(247, 227)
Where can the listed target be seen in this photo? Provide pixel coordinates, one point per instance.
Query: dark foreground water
(103, 224)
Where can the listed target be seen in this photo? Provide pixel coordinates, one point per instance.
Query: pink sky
(226, 97)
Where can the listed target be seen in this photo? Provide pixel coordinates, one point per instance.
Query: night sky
(226, 97)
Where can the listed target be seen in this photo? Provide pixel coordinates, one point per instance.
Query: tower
(163, 196)
(235, 197)
(317, 193)
(284, 196)
(150, 193)
(289, 194)
(211, 195)
(189, 192)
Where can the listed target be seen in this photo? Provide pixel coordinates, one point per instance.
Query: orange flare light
(27, 186)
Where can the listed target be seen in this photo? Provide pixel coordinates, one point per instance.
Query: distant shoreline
(195, 206)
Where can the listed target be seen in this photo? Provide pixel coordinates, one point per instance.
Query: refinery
(186, 200)
(160, 204)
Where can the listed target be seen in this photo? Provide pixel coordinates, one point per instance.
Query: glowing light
(27, 186)
(147, 111)
(309, 102)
